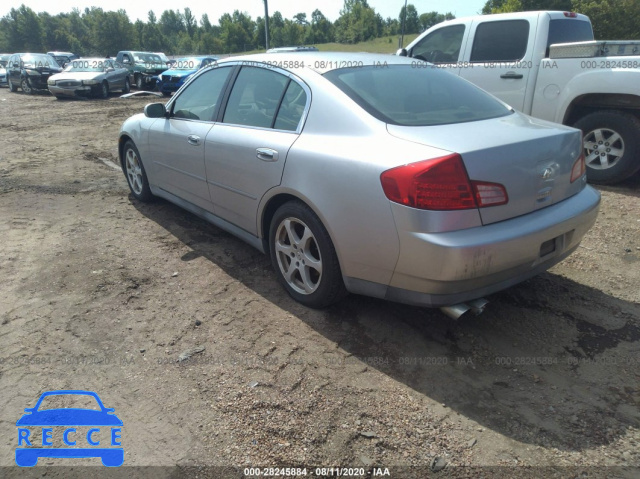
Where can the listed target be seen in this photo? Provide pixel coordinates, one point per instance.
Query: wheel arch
(121, 142)
(592, 102)
(274, 202)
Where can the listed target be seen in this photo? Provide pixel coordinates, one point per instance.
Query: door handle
(267, 154)
(193, 140)
(512, 76)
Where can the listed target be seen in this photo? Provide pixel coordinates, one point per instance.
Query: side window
(441, 46)
(291, 109)
(126, 59)
(199, 100)
(255, 97)
(500, 41)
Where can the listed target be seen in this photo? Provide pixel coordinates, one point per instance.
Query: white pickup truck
(547, 64)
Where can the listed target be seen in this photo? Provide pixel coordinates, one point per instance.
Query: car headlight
(90, 82)
(32, 73)
(51, 82)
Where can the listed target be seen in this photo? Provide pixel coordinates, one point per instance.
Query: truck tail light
(439, 184)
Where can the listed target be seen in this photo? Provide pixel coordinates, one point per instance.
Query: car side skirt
(211, 218)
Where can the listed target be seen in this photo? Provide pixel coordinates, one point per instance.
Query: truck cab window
(441, 46)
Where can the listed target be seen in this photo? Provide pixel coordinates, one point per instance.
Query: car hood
(69, 417)
(179, 73)
(77, 76)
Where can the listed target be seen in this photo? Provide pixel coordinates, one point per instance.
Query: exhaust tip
(478, 305)
(456, 310)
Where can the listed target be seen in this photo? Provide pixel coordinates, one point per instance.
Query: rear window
(416, 95)
(569, 31)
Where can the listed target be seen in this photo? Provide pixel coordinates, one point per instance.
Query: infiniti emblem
(547, 173)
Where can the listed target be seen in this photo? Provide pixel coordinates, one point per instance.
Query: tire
(12, 87)
(127, 86)
(26, 86)
(135, 173)
(104, 90)
(139, 83)
(304, 257)
(611, 145)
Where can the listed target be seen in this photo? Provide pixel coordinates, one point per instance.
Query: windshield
(87, 65)
(419, 94)
(147, 58)
(39, 61)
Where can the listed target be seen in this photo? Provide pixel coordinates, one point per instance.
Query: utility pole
(404, 15)
(266, 23)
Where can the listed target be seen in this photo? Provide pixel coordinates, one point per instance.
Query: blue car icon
(105, 417)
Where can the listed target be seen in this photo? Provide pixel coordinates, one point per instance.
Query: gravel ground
(213, 369)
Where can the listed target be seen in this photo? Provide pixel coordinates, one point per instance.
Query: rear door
(500, 58)
(247, 149)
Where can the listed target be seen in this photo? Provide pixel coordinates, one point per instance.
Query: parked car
(548, 65)
(90, 77)
(171, 80)
(364, 173)
(4, 58)
(292, 49)
(144, 67)
(30, 71)
(63, 57)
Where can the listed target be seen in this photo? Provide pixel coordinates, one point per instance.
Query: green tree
(411, 21)
(357, 22)
(427, 20)
(612, 19)
(23, 30)
(502, 6)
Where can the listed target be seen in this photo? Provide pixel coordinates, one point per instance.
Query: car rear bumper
(439, 269)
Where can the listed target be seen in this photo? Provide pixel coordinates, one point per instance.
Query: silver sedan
(86, 77)
(371, 174)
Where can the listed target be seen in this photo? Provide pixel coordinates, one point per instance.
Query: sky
(255, 8)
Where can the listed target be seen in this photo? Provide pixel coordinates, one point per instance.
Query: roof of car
(322, 62)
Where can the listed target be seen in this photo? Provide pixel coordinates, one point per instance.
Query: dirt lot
(101, 293)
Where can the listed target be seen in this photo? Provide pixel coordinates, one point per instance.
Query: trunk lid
(531, 158)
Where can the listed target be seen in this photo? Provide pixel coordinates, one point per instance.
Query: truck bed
(592, 49)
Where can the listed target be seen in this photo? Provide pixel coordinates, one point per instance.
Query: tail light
(570, 14)
(579, 168)
(440, 184)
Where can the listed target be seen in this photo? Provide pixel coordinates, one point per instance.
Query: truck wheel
(611, 145)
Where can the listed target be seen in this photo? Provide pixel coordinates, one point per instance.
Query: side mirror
(155, 110)
(402, 52)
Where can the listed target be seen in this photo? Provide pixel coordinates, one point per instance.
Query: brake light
(570, 14)
(439, 184)
(579, 168)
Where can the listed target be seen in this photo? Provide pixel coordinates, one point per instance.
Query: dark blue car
(105, 417)
(171, 80)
